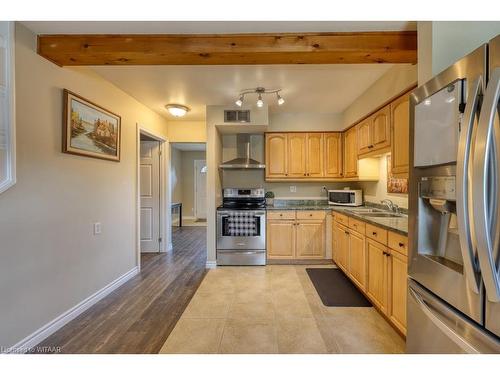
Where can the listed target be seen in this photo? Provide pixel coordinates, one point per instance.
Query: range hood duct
(243, 160)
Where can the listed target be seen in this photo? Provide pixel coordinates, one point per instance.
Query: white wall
(442, 43)
(49, 258)
(305, 122)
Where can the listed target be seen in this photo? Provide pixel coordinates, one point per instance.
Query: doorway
(188, 184)
(152, 193)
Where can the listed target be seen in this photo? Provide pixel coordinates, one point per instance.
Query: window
(7, 108)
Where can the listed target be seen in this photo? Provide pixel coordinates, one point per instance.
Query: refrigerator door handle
(433, 315)
(462, 196)
(486, 160)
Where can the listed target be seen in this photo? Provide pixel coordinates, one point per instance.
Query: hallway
(139, 316)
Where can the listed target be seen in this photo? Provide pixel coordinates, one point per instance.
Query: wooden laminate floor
(139, 316)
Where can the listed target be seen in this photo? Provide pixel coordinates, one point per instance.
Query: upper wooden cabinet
(350, 152)
(298, 156)
(400, 144)
(315, 155)
(276, 155)
(333, 155)
(374, 133)
(364, 137)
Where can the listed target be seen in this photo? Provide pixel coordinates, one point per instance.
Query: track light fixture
(260, 91)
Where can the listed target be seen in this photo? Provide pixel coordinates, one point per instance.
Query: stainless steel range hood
(243, 160)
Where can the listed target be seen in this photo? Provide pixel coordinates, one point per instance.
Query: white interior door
(150, 196)
(200, 189)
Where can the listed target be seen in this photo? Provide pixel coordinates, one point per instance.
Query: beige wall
(393, 82)
(187, 131)
(188, 158)
(376, 191)
(49, 258)
(305, 122)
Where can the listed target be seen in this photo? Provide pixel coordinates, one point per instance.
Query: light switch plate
(97, 228)
(293, 189)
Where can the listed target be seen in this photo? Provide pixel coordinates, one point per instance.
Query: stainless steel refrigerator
(454, 226)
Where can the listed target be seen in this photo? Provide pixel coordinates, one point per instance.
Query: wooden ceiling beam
(230, 49)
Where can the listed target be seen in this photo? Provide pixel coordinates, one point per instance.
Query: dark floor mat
(335, 289)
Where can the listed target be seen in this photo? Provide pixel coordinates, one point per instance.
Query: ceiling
(306, 88)
(211, 27)
(189, 146)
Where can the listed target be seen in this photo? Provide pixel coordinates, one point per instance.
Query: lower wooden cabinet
(340, 246)
(281, 239)
(310, 240)
(296, 236)
(398, 284)
(357, 259)
(377, 278)
(380, 270)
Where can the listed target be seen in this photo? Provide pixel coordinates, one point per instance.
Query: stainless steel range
(241, 228)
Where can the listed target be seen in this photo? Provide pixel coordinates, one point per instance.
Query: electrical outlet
(293, 189)
(97, 228)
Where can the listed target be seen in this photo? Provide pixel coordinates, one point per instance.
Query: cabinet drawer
(376, 233)
(311, 215)
(339, 218)
(357, 225)
(398, 242)
(276, 215)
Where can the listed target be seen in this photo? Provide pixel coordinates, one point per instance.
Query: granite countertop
(396, 224)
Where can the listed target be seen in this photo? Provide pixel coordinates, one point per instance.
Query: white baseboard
(48, 329)
(211, 264)
(189, 217)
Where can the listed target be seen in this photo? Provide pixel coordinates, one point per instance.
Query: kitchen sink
(362, 211)
(381, 214)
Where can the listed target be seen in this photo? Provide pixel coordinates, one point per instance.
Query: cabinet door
(333, 155)
(310, 239)
(341, 246)
(297, 158)
(357, 259)
(281, 239)
(364, 136)
(276, 155)
(398, 279)
(400, 144)
(377, 279)
(381, 129)
(351, 153)
(315, 147)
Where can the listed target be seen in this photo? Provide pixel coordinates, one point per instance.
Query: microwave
(345, 197)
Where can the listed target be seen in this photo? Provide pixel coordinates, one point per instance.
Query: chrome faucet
(390, 205)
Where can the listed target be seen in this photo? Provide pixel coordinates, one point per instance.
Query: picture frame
(90, 129)
(395, 185)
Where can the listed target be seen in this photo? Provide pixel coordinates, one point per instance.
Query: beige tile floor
(274, 309)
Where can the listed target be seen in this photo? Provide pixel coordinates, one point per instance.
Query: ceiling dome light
(239, 102)
(281, 101)
(177, 110)
(260, 102)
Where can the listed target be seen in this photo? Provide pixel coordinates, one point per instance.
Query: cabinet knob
(310, 214)
(374, 233)
(401, 244)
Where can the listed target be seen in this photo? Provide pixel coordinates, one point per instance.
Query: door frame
(196, 187)
(164, 233)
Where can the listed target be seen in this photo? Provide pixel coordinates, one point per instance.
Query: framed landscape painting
(90, 130)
